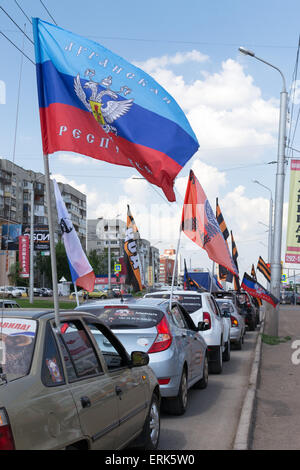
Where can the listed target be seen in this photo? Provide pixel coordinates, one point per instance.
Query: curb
(242, 437)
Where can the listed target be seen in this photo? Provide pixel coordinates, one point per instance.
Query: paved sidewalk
(277, 414)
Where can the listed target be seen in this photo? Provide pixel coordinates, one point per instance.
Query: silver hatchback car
(177, 351)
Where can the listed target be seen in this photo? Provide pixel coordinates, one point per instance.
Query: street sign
(117, 268)
(283, 278)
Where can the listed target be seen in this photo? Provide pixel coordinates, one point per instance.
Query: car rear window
(191, 303)
(129, 317)
(17, 338)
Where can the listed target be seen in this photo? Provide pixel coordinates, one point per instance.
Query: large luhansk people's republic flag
(95, 103)
(81, 271)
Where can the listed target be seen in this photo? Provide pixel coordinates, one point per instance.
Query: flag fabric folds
(95, 103)
(81, 271)
(235, 257)
(257, 290)
(189, 283)
(224, 274)
(253, 274)
(264, 269)
(131, 256)
(199, 224)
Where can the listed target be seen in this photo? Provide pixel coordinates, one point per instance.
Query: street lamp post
(270, 238)
(279, 193)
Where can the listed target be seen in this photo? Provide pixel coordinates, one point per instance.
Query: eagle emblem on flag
(105, 110)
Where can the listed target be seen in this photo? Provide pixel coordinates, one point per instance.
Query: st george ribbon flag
(95, 103)
(257, 290)
(134, 275)
(81, 271)
(189, 283)
(199, 223)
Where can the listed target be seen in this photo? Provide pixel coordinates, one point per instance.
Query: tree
(14, 276)
(99, 262)
(43, 263)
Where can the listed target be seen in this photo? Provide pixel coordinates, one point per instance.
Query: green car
(58, 390)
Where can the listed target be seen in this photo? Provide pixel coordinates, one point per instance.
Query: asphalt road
(211, 419)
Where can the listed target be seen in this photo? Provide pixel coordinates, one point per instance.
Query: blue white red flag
(81, 271)
(95, 103)
(257, 290)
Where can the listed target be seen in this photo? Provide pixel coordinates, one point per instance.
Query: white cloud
(225, 109)
(154, 63)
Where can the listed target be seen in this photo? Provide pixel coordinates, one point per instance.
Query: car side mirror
(139, 358)
(203, 326)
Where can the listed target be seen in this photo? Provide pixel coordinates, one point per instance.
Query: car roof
(177, 292)
(37, 314)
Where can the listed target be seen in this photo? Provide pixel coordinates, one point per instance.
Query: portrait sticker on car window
(54, 370)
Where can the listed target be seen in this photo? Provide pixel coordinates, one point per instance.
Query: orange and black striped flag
(131, 255)
(224, 274)
(235, 257)
(253, 273)
(264, 269)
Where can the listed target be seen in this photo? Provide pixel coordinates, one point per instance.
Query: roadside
(277, 411)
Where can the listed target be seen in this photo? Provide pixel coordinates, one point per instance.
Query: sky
(230, 100)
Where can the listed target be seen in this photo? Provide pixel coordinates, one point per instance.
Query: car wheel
(251, 325)
(149, 438)
(216, 367)
(238, 344)
(226, 353)
(177, 406)
(202, 383)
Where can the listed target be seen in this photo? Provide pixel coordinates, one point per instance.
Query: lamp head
(246, 51)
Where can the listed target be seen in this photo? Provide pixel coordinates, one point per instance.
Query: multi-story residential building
(16, 186)
(167, 261)
(111, 232)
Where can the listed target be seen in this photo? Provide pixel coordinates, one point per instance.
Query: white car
(237, 322)
(10, 291)
(202, 307)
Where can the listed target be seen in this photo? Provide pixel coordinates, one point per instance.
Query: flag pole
(76, 294)
(52, 243)
(212, 276)
(174, 269)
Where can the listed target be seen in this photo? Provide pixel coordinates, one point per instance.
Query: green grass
(41, 303)
(274, 340)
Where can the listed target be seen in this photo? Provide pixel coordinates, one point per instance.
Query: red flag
(200, 225)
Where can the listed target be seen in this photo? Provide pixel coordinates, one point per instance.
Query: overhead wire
(11, 19)
(292, 99)
(22, 52)
(48, 12)
(19, 6)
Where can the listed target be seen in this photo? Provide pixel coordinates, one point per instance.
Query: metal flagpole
(52, 243)
(31, 272)
(212, 276)
(174, 270)
(76, 294)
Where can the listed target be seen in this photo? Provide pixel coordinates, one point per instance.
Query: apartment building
(111, 232)
(16, 185)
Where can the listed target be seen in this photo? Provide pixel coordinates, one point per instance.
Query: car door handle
(119, 391)
(85, 402)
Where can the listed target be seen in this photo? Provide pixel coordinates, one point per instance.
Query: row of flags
(95, 103)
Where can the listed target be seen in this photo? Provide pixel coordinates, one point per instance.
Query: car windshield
(129, 317)
(17, 338)
(191, 303)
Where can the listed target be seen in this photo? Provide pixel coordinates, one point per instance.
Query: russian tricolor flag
(95, 103)
(81, 271)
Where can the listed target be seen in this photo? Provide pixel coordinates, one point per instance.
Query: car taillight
(163, 339)
(207, 319)
(6, 437)
(234, 321)
(164, 381)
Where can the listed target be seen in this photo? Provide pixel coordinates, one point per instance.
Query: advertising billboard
(293, 228)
